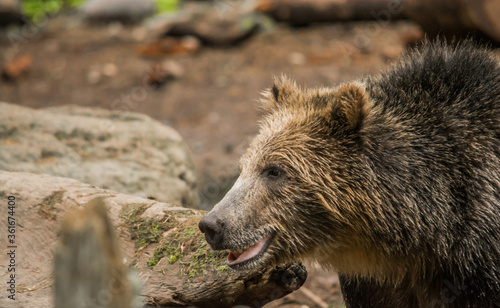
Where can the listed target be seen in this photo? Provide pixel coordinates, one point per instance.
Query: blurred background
(199, 67)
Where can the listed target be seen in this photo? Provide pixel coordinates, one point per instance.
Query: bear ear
(349, 107)
(284, 92)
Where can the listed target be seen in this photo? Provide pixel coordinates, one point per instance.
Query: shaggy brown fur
(393, 181)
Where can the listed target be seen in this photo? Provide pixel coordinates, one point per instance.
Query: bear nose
(212, 226)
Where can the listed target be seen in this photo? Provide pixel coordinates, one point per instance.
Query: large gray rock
(122, 10)
(127, 152)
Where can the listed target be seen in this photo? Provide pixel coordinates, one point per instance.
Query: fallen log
(219, 24)
(456, 18)
(160, 242)
(305, 12)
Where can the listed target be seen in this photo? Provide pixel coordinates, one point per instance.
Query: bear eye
(273, 172)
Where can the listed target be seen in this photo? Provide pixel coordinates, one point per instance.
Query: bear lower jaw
(241, 258)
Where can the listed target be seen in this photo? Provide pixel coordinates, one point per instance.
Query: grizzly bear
(393, 181)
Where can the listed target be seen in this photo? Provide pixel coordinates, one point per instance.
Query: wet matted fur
(392, 180)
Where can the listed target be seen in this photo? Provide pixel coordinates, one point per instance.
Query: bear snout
(213, 228)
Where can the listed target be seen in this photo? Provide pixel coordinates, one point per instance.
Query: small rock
(94, 76)
(109, 69)
(122, 10)
(155, 212)
(172, 68)
(169, 46)
(297, 58)
(115, 28)
(191, 43)
(139, 34)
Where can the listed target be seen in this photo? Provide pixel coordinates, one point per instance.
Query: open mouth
(242, 256)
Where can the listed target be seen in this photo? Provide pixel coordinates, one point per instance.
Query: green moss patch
(180, 246)
(47, 206)
(204, 260)
(144, 230)
(188, 246)
(173, 252)
(167, 5)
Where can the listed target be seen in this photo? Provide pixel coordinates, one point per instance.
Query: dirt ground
(214, 104)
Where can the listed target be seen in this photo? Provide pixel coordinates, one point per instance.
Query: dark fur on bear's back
(440, 160)
(393, 181)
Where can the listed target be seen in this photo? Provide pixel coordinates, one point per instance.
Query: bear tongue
(236, 257)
